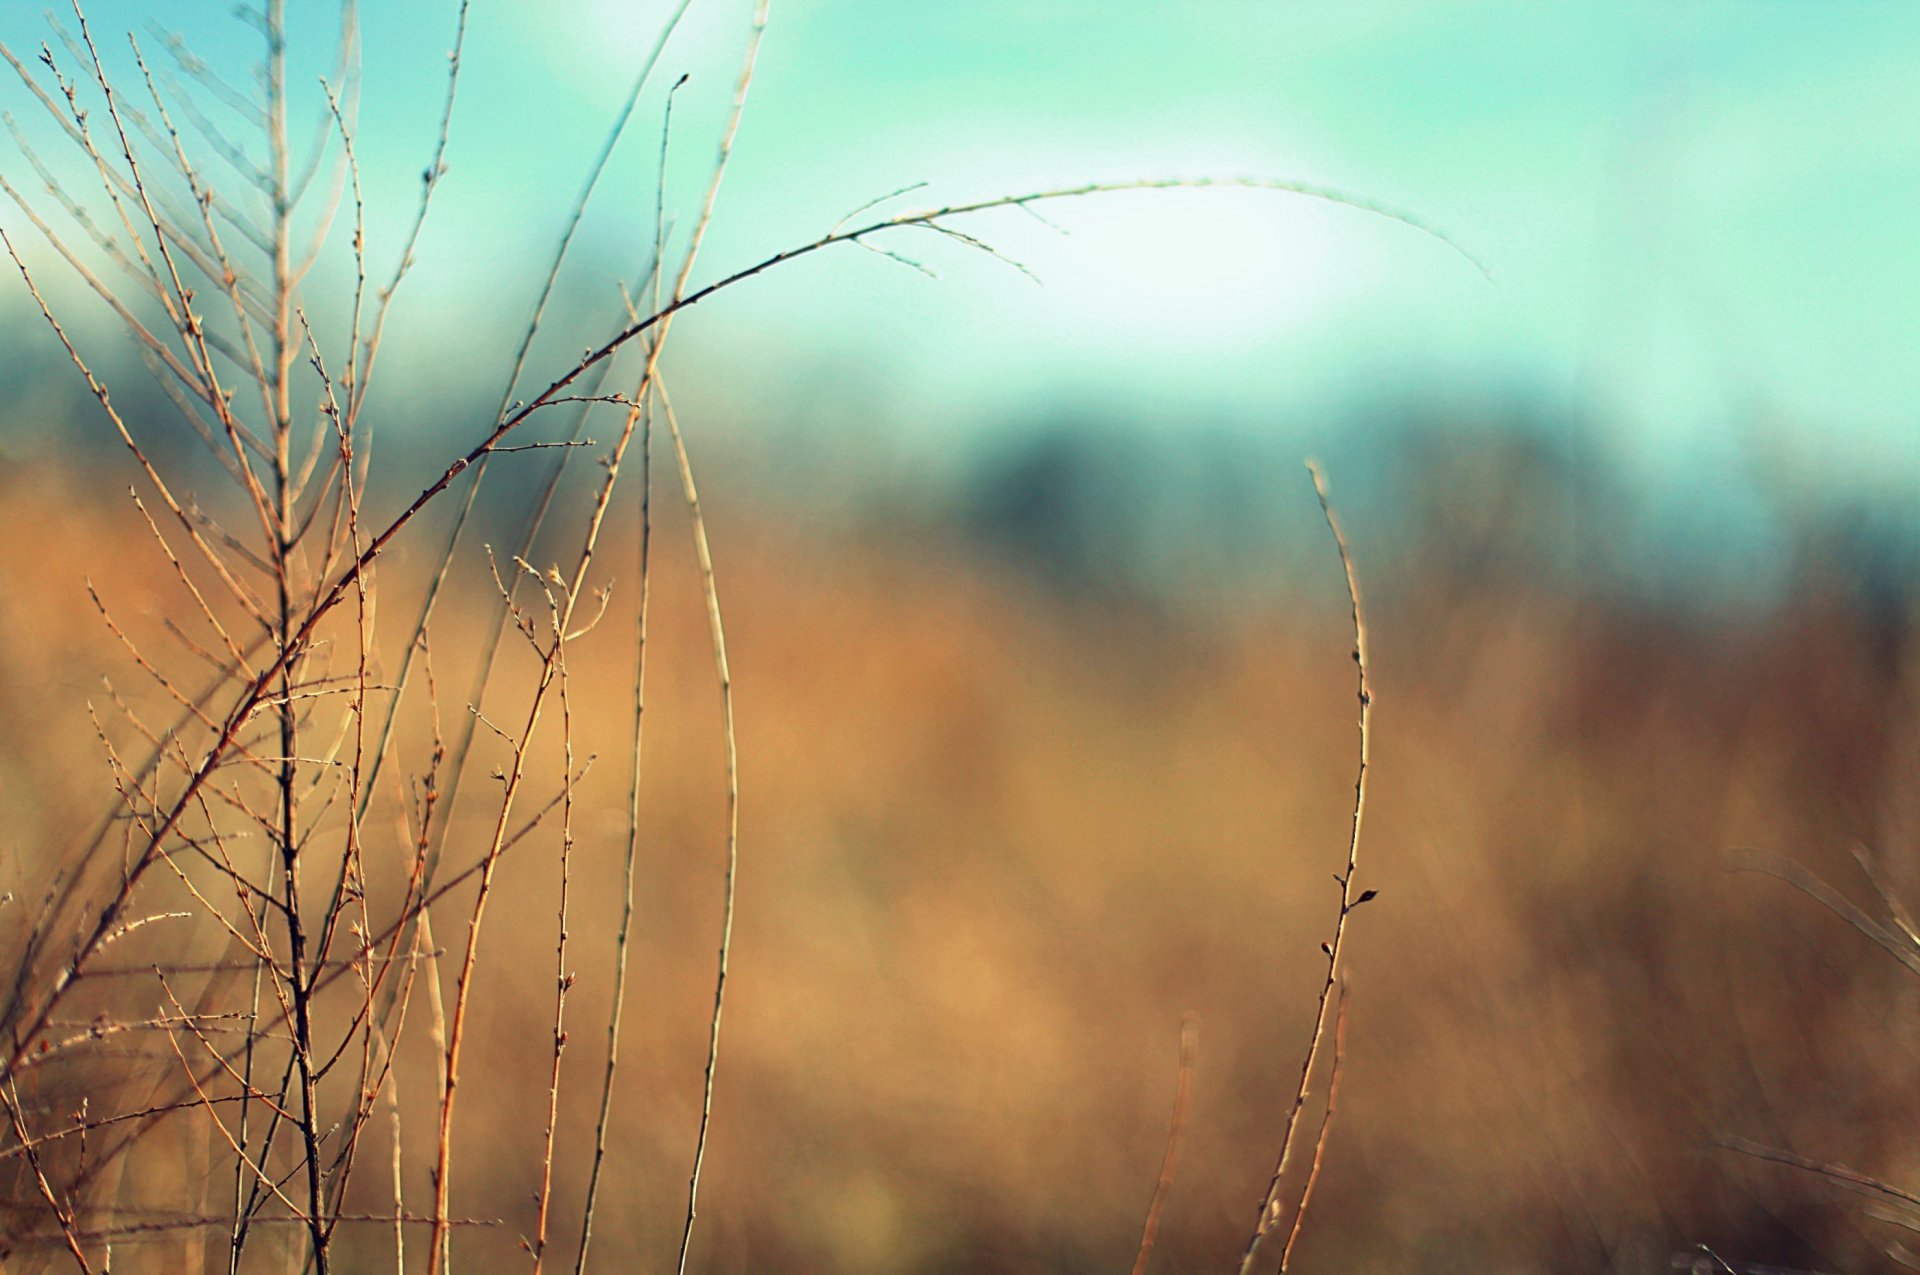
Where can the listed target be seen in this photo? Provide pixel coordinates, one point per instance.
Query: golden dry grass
(997, 846)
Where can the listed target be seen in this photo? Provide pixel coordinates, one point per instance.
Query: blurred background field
(1045, 700)
(999, 840)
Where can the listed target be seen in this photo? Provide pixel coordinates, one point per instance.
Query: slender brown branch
(9, 1094)
(1176, 1134)
(563, 977)
(1852, 1179)
(1270, 1204)
(1326, 1127)
(622, 944)
(717, 632)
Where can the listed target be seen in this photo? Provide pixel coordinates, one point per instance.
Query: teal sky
(1698, 216)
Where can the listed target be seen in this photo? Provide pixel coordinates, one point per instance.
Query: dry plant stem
(437, 1244)
(396, 1164)
(933, 219)
(594, 174)
(436, 1029)
(175, 296)
(190, 63)
(1176, 1134)
(119, 185)
(238, 590)
(1896, 910)
(562, 978)
(352, 878)
(80, 1128)
(206, 1103)
(285, 348)
(110, 915)
(149, 343)
(1839, 1174)
(1270, 1204)
(430, 181)
(10, 1095)
(256, 371)
(255, 692)
(513, 774)
(445, 562)
(483, 673)
(1326, 1127)
(1895, 943)
(623, 940)
(717, 632)
(347, 72)
(270, 698)
(360, 782)
(237, 1236)
(195, 1222)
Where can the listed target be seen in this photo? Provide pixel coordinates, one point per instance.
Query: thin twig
(1326, 1126)
(1270, 1204)
(717, 632)
(1176, 1134)
(10, 1095)
(623, 940)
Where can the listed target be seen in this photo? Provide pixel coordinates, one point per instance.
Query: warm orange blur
(995, 845)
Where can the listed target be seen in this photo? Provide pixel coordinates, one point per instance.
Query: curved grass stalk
(1271, 1204)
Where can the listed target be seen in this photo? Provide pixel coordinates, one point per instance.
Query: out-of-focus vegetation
(1045, 751)
(1002, 836)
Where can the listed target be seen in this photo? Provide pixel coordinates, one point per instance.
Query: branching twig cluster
(278, 858)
